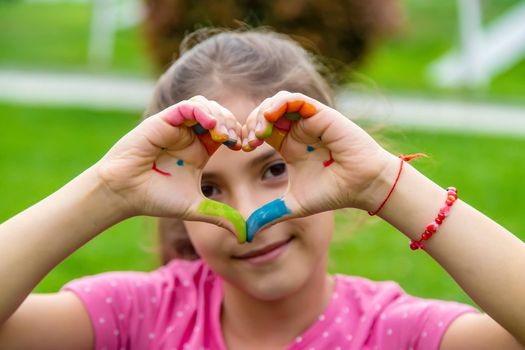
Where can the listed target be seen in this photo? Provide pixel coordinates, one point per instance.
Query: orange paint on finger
(273, 116)
(210, 145)
(276, 138)
(294, 106)
(307, 110)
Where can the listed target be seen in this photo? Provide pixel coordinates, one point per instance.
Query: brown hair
(258, 62)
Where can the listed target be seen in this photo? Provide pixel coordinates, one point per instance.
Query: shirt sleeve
(112, 300)
(416, 323)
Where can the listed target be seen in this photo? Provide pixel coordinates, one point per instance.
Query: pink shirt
(178, 307)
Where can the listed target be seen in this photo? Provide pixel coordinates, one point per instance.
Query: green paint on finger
(293, 116)
(213, 208)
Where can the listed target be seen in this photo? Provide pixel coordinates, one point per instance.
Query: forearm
(485, 259)
(33, 242)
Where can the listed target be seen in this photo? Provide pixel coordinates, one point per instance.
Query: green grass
(399, 63)
(43, 148)
(55, 37)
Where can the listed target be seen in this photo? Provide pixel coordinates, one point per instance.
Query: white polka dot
(130, 298)
(373, 288)
(186, 346)
(87, 289)
(197, 328)
(405, 314)
(335, 296)
(153, 300)
(116, 332)
(101, 320)
(186, 283)
(170, 329)
(298, 339)
(363, 318)
(113, 284)
(121, 316)
(389, 331)
(179, 314)
(346, 310)
(109, 300)
(321, 318)
(440, 324)
(424, 334)
(311, 349)
(378, 307)
(338, 348)
(325, 334)
(441, 307)
(151, 335)
(349, 337)
(339, 320)
(383, 316)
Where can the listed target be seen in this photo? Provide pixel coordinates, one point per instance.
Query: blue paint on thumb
(269, 212)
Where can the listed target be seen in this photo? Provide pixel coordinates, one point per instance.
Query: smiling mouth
(263, 251)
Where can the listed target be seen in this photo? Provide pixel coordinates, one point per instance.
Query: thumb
(221, 215)
(271, 213)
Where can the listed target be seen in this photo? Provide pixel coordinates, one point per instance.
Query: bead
(451, 198)
(414, 245)
(439, 221)
(449, 203)
(445, 210)
(426, 235)
(441, 216)
(432, 227)
(452, 189)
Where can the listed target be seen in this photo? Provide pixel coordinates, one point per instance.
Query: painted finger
(219, 214)
(278, 210)
(293, 106)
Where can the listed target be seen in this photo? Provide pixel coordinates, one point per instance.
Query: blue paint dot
(310, 148)
(180, 162)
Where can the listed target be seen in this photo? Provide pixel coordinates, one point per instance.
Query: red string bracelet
(403, 158)
(452, 196)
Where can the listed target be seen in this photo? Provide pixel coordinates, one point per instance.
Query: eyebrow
(261, 158)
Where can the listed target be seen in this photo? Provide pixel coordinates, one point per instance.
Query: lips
(264, 250)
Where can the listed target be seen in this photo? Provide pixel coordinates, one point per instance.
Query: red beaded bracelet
(452, 196)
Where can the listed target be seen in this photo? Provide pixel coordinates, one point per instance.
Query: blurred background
(446, 78)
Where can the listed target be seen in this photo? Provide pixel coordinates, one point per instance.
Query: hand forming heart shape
(332, 162)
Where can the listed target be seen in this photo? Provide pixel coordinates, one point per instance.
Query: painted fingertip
(266, 214)
(220, 135)
(199, 129)
(232, 134)
(213, 208)
(207, 121)
(230, 143)
(272, 116)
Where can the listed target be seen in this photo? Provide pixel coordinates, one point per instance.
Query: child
(264, 95)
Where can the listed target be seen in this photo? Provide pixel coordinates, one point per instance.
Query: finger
(278, 210)
(233, 127)
(219, 214)
(294, 105)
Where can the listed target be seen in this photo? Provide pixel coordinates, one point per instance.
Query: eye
(275, 170)
(209, 190)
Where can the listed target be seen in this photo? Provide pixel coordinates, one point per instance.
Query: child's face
(246, 181)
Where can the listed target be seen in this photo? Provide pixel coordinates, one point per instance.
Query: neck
(250, 320)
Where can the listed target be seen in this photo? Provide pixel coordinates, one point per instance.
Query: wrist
(97, 194)
(378, 188)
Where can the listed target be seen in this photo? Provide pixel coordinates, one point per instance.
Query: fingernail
(259, 127)
(244, 142)
(251, 136)
(233, 135)
(223, 129)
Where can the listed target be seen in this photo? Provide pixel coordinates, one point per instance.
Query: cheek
(207, 239)
(317, 231)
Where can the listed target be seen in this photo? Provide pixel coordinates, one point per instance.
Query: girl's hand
(156, 168)
(332, 162)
